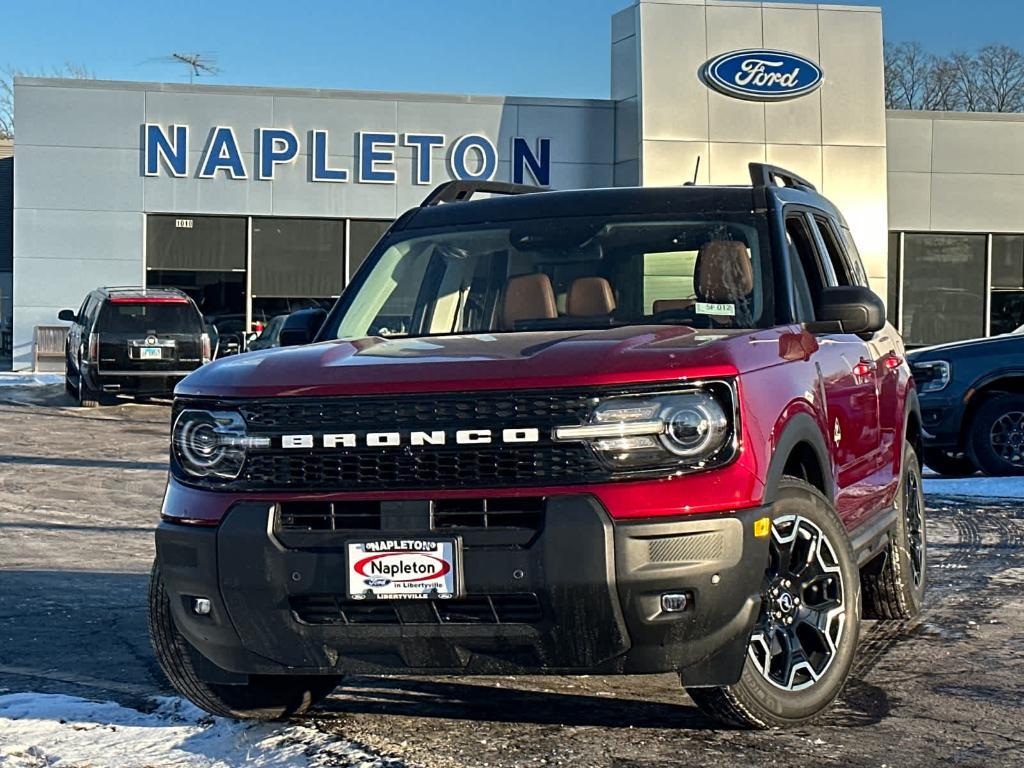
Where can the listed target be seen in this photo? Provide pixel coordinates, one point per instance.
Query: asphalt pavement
(80, 494)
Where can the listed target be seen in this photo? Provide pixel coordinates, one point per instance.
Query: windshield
(563, 274)
(145, 317)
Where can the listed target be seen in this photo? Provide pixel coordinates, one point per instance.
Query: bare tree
(68, 69)
(907, 70)
(991, 80)
(1001, 72)
(941, 94)
(967, 83)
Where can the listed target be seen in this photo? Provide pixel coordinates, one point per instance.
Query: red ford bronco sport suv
(603, 431)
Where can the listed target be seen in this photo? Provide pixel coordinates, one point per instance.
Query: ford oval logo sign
(762, 75)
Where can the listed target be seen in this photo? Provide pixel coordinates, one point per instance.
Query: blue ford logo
(762, 75)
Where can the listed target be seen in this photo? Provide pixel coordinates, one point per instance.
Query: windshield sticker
(705, 308)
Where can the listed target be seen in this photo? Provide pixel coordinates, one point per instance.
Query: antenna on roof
(199, 64)
(696, 170)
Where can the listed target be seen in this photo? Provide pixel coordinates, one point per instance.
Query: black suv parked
(133, 341)
(972, 405)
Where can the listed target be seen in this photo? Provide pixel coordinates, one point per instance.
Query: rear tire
(894, 585)
(949, 464)
(87, 397)
(264, 697)
(996, 441)
(805, 638)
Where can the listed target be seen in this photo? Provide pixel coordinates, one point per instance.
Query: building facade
(258, 200)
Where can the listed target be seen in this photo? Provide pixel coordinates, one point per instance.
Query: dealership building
(258, 200)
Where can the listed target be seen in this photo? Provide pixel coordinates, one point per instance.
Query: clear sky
(507, 47)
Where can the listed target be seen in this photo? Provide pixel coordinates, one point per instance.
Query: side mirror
(855, 308)
(67, 315)
(301, 327)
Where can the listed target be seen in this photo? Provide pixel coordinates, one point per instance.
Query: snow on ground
(44, 731)
(975, 487)
(30, 379)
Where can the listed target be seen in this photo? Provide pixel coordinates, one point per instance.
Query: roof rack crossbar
(459, 191)
(764, 175)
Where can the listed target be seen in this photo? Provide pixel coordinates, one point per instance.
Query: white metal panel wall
(834, 136)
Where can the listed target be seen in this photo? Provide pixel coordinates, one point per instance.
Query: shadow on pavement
(459, 700)
(78, 633)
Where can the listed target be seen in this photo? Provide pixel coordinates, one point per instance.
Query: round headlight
(210, 443)
(695, 425)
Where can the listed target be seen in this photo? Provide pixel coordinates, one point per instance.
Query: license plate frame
(398, 569)
(151, 353)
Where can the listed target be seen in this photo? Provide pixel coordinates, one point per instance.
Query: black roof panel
(584, 202)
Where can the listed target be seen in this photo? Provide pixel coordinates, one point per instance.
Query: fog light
(674, 602)
(201, 606)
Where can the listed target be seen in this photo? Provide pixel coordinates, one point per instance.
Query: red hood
(483, 361)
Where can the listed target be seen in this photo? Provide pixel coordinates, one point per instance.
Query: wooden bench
(48, 342)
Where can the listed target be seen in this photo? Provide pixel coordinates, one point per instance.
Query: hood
(988, 346)
(490, 361)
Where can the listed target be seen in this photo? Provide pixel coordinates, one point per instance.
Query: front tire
(804, 640)
(949, 464)
(894, 585)
(264, 697)
(996, 441)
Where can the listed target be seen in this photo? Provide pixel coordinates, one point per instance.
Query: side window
(83, 309)
(834, 250)
(858, 266)
(89, 312)
(809, 275)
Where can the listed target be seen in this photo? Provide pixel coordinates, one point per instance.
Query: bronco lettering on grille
(415, 438)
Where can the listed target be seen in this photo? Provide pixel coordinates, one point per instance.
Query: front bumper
(941, 419)
(584, 595)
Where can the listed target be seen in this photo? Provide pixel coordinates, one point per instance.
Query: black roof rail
(459, 191)
(764, 175)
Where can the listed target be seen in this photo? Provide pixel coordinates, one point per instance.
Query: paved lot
(80, 492)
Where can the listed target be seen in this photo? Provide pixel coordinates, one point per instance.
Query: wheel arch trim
(801, 429)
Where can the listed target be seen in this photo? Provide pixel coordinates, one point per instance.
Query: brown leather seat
(528, 297)
(665, 305)
(590, 296)
(723, 272)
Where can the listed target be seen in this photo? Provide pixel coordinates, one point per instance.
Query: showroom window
(363, 235)
(296, 263)
(1006, 311)
(947, 287)
(203, 256)
(943, 287)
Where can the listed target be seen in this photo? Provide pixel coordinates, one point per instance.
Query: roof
(132, 292)
(584, 202)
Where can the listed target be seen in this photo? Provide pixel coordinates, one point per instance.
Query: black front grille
(423, 467)
(437, 411)
(472, 609)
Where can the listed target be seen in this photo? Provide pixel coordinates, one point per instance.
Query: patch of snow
(47, 730)
(30, 379)
(976, 487)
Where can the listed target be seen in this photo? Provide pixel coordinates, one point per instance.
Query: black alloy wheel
(996, 439)
(804, 639)
(802, 613)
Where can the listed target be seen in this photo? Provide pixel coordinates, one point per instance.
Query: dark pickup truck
(972, 405)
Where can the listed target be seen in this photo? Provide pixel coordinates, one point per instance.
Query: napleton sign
(470, 157)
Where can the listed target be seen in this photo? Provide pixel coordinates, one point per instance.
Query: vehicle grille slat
(472, 609)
